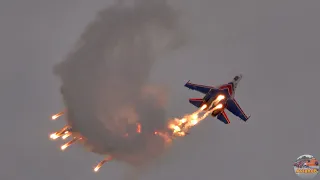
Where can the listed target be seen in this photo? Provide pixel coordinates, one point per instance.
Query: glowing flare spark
(63, 147)
(66, 135)
(186, 122)
(54, 117)
(54, 136)
(194, 116)
(194, 122)
(219, 106)
(203, 107)
(179, 127)
(167, 138)
(96, 169)
(220, 97)
(138, 128)
(217, 100)
(64, 130)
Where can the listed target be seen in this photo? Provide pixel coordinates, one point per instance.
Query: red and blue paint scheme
(228, 90)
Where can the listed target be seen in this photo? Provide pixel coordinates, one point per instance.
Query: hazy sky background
(275, 44)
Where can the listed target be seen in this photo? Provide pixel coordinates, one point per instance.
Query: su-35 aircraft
(222, 96)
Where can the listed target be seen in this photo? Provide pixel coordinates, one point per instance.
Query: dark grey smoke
(104, 81)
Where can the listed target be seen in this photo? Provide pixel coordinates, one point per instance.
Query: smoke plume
(104, 80)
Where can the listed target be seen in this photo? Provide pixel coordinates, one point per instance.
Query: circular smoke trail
(104, 80)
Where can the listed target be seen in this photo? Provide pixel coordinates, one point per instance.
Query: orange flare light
(63, 147)
(96, 169)
(138, 128)
(54, 117)
(179, 127)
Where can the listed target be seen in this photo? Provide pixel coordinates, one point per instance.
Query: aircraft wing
(197, 87)
(235, 109)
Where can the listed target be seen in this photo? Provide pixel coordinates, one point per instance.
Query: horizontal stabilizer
(223, 117)
(235, 109)
(196, 102)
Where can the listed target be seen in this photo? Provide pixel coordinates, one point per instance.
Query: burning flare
(178, 127)
(54, 117)
(181, 126)
(65, 130)
(54, 136)
(220, 97)
(138, 128)
(66, 135)
(96, 169)
(63, 147)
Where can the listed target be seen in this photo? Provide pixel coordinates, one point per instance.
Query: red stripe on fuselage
(195, 99)
(228, 87)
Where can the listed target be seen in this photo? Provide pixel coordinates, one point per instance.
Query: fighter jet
(222, 95)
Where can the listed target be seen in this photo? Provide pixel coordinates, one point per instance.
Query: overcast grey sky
(275, 44)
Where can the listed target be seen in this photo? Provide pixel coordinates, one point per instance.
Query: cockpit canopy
(236, 78)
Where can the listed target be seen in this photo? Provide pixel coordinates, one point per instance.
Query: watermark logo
(306, 166)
